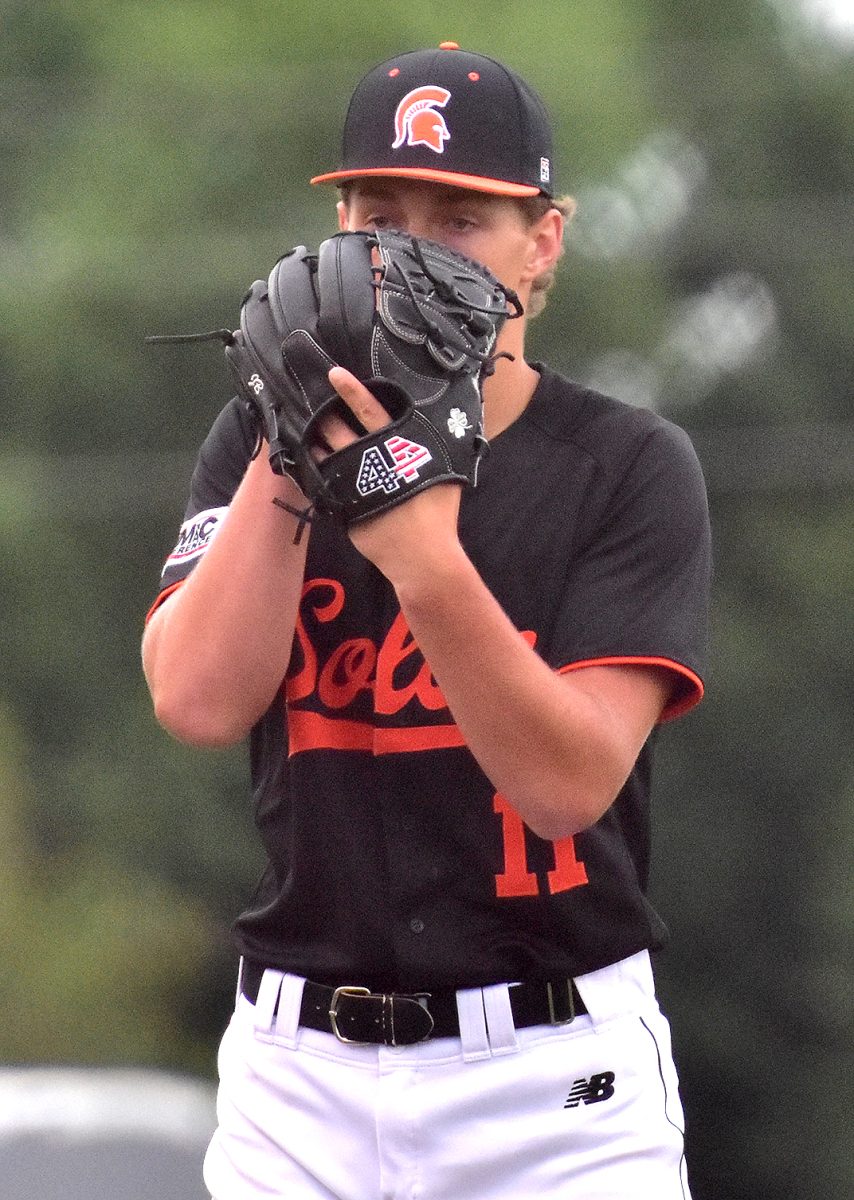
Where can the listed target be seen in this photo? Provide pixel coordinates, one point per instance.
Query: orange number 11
(516, 879)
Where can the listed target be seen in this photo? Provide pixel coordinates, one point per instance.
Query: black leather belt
(355, 1014)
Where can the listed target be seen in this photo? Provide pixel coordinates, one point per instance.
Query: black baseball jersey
(393, 863)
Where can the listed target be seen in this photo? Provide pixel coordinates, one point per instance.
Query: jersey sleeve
(220, 466)
(638, 591)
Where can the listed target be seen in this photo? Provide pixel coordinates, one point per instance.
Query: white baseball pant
(584, 1111)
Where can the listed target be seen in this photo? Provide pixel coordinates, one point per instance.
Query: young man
(446, 987)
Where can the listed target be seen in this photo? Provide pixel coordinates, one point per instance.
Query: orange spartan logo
(416, 121)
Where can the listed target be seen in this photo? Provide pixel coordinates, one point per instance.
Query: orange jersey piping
(674, 708)
(163, 596)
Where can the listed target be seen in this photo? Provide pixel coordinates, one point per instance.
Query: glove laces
(479, 318)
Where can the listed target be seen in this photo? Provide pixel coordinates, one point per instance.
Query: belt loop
(286, 1025)
(265, 1002)
(473, 1035)
(499, 1019)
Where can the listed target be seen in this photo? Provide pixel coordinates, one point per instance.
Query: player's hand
(404, 539)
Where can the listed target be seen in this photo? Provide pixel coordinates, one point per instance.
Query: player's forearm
(553, 749)
(216, 651)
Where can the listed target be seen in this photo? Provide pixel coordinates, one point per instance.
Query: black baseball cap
(448, 116)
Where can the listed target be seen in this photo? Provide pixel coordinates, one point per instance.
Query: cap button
(449, 45)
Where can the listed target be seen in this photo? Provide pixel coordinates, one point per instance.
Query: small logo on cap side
(417, 123)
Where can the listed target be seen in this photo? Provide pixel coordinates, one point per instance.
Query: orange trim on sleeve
(163, 596)
(675, 708)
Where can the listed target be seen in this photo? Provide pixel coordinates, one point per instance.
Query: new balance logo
(592, 1091)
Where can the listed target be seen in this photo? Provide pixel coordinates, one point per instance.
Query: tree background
(154, 159)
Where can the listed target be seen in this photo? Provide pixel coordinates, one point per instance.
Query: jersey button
(416, 925)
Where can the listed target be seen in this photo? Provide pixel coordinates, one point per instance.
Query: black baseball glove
(414, 321)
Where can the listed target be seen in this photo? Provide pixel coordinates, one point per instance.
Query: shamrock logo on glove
(458, 423)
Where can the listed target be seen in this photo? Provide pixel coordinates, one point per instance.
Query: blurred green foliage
(154, 159)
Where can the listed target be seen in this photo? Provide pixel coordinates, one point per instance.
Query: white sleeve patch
(196, 535)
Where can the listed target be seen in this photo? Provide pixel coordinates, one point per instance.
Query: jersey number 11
(516, 879)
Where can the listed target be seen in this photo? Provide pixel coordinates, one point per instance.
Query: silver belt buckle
(333, 1011)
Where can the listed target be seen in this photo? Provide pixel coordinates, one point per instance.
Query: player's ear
(545, 244)
(343, 216)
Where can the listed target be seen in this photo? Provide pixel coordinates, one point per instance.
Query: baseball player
(445, 988)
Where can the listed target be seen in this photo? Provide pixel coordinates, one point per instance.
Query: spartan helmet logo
(417, 123)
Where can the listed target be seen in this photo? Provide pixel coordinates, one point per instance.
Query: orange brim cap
(447, 116)
(477, 183)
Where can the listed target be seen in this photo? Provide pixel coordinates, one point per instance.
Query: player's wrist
(260, 472)
(428, 574)
(414, 542)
